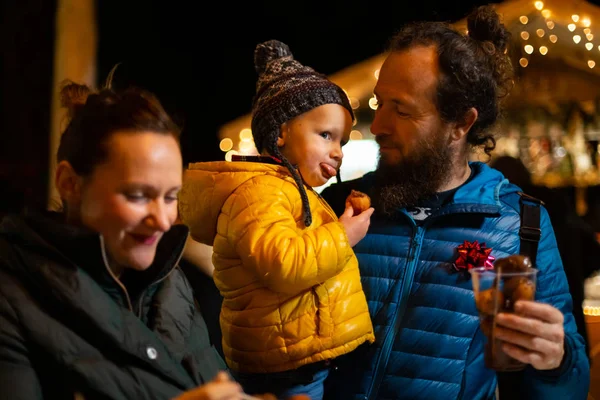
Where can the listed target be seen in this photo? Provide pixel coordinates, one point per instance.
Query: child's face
(313, 141)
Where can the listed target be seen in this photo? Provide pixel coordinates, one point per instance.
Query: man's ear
(283, 135)
(68, 182)
(462, 127)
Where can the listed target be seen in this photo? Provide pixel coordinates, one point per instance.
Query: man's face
(416, 155)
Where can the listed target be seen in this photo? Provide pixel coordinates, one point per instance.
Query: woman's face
(131, 199)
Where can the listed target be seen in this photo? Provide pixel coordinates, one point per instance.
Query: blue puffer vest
(428, 342)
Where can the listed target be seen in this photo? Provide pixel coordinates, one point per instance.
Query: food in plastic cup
(497, 290)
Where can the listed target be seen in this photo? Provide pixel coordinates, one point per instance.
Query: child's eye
(326, 135)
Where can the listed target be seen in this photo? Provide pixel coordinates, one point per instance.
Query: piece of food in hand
(514, 263)
(489, 301)
(519, 288)
(359, 201)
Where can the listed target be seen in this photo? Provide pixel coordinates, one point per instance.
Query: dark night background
(196, 56)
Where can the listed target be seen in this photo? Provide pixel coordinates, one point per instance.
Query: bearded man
(439, 94)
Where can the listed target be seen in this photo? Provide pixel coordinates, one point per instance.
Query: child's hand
(220, 388)
(356, 225)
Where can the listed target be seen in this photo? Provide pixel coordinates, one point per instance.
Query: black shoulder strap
(530, 232)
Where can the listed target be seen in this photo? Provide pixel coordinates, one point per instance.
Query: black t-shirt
(428, 206)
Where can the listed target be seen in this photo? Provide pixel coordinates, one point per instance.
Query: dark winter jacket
(68, 328)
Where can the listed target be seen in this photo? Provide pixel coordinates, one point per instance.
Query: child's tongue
(328, 169)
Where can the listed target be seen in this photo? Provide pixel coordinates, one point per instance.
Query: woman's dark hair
(475, 71)
(96, 115)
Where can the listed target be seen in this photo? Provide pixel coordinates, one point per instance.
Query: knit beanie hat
(284, 90)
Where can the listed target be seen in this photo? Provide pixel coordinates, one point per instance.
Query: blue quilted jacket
(428, 341)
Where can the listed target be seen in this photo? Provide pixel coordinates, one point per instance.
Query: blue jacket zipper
(409, 275)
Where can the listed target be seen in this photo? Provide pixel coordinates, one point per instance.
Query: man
(438, 93)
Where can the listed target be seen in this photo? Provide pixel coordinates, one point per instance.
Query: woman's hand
(220, 388)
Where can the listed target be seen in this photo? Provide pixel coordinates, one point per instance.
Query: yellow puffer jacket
(292, 295)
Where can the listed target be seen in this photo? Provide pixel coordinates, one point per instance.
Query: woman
(92, 302)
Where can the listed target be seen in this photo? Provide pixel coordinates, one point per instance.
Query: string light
(246, 134)
(575, 17)
(540, 32)
(586, 22)
(523, 62)
(553, 38)
(229, 154)
(577, 39)
(543, 50)
(523, 19)
(524, 35)
(373, 103)
(539, 5)
(589, 37)
(528, 49)
(589, 46)
(356, 135)
(546, 13)
(571, 27)
(550, 24)
(226, 144)
(591, 63)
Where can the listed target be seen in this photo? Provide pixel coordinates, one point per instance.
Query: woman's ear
(68, 182)
(283, 134)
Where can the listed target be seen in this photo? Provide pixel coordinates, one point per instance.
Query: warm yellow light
(528, 49)
(539, 5)
(540, 32)
(543, 50)
(246, 134)
(524, 35)
(575, 17)
(355, 135)
(550, 24)
(591, 63)
(577, 39)
(589, 37)
(354, 103)
(589, 45)
(229, 154)
(523, 19)
(586, 22)
(226, 144)
(373, 103)
(523, 62)
(593, 311)
(553, 38)
(571, 27)
(587, 31)
(546, 13)
(245, 145)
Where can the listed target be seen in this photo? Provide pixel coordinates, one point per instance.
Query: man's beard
(415, 178)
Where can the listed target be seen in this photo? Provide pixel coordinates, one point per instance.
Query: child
(292, 296)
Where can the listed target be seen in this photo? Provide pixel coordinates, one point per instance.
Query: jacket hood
(207, 185)
(485, 187)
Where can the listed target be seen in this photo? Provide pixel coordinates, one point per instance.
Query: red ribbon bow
(473, 255)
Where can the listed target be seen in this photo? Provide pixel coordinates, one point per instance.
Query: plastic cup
(496, 292)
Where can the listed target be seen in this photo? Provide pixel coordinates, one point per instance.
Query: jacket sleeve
(284, 255)
(572, 379)
(18, 379)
